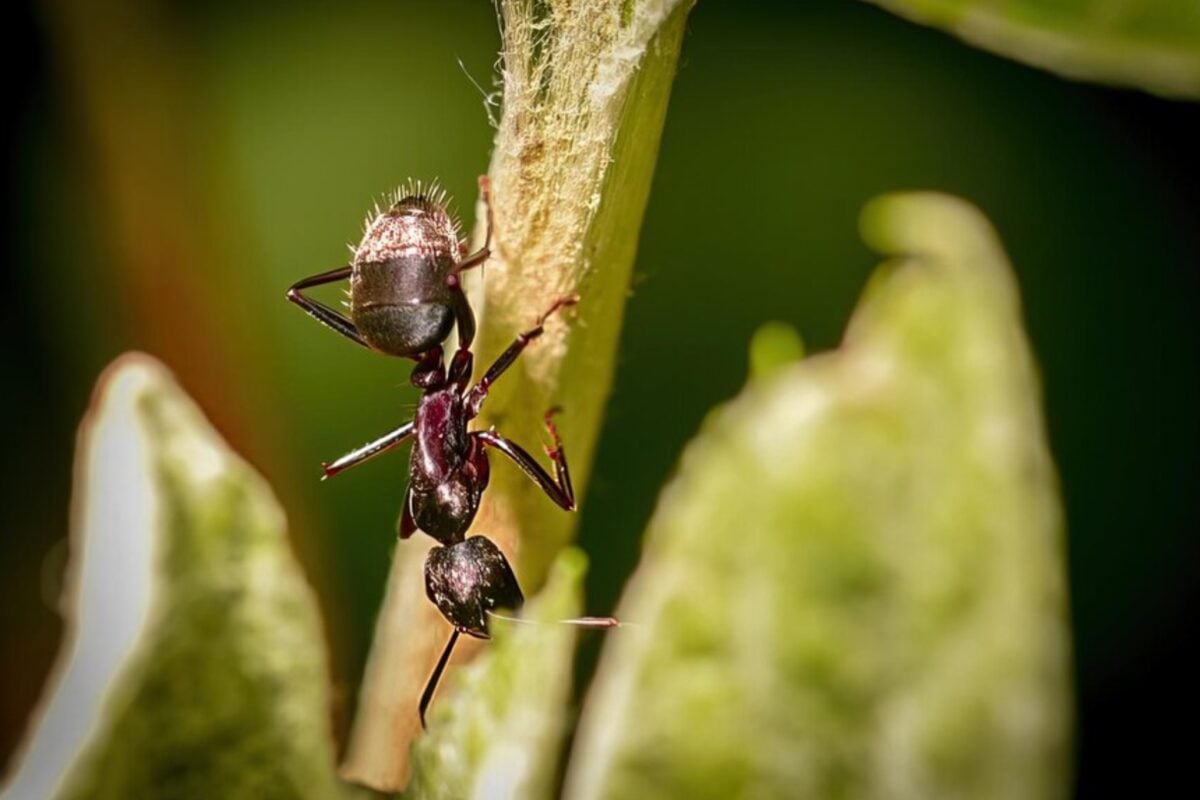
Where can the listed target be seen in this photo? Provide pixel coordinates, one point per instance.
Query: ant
(405, 295)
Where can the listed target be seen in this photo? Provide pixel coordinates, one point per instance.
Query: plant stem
(585, 94)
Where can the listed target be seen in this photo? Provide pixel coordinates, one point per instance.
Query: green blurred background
(173, 166)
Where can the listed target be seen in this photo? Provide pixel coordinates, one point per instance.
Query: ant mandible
(405, 295)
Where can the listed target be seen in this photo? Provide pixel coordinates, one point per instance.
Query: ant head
(467, 580)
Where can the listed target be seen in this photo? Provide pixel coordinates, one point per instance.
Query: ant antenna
(436, 675)
(583, 622)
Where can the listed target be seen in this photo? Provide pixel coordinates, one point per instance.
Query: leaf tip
(570, 565)
(928, 223)
(774, 345)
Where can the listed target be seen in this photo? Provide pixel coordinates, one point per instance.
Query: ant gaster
(405, 286)
(405, 295)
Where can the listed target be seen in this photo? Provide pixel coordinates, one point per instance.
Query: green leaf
(585, 97)
(499, 734)
(774, 346)
(1151, 45)
(854, 587)
(193, 664)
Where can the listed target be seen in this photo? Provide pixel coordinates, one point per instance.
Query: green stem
(586, 88)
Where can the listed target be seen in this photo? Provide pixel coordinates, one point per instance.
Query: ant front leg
(321, 312)
(370, 450)
(480, 390)
(558, 488)
(558, 455)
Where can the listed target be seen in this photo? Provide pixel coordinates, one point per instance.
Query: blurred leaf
(500, 735)
(775, 345)
(854, 586)
(1151, 45)
(194, 666)
(585, 97)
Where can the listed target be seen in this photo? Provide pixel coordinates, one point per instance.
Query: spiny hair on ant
(430, 198)
(431, 194)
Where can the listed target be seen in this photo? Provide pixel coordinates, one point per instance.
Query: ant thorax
(441, 435)
(413, 225)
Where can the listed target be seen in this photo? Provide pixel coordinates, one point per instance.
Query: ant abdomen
(400, 298)
(403, 329)
(467, 580)
(406, 290)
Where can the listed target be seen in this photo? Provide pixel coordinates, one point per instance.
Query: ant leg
(560, 491)
(370, 450)
(479, 391)
(435, 676)
(464, 317)
(558, 455)
(482, 254)
(321, 312)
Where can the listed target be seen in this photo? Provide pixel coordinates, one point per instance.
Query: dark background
(173, 166)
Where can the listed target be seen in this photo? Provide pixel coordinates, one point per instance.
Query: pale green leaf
(1149, 44)
(193, 664)
(854, 587)
(775, 345)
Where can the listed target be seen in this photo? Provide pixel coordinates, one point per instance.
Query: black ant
(405, 296)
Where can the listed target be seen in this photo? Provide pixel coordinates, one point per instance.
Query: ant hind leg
(482, 254)
(321, 312)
